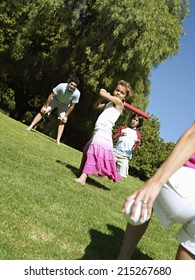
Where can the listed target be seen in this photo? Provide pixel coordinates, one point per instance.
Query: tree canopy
(42, 42)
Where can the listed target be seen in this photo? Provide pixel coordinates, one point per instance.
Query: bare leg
(131, 238)
(60, 131)
(36, 119)
(184, 254)
(82, 179)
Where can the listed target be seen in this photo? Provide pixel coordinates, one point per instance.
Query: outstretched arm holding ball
(172, 188)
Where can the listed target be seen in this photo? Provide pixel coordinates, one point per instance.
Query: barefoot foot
(79, 181)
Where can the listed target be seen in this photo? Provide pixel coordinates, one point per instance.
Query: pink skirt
(98, 158)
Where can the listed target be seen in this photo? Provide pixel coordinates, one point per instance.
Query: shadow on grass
(90, 181)
(107, 246)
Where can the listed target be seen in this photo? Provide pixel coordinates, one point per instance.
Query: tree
(124, 40)
(101, 42)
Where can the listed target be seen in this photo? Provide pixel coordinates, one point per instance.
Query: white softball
(135, 220)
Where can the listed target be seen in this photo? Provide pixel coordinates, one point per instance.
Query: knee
(42, 114)
(61, 122)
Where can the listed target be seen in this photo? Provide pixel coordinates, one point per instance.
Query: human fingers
(128, 199)
(146, 204)
(136, 218)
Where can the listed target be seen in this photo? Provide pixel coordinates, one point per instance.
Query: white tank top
(107, 118)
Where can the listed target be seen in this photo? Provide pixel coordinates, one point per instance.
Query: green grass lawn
(45, 215)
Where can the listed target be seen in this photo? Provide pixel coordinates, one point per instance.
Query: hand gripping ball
(135, 220)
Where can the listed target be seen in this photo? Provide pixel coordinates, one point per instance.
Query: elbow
(102, 92)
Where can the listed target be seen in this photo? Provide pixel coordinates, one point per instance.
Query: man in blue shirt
(63, 97)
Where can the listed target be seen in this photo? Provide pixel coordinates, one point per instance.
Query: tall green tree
(101, 41)
(43, 41)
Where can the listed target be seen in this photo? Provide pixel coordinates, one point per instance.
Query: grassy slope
(46, 215)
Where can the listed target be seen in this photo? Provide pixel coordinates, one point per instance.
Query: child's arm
(137, 142)
(117, 134)
(136, 146)
(99, 104)
(115, 138)
(115, 100)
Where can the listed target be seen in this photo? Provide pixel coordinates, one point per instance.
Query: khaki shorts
(61, 108)
(122, 164)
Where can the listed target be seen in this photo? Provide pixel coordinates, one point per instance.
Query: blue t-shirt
(125, 144)
(64, 96)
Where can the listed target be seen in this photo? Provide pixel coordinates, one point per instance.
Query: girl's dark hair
(141, 119)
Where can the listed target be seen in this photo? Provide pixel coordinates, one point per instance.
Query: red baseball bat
(137, 111)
